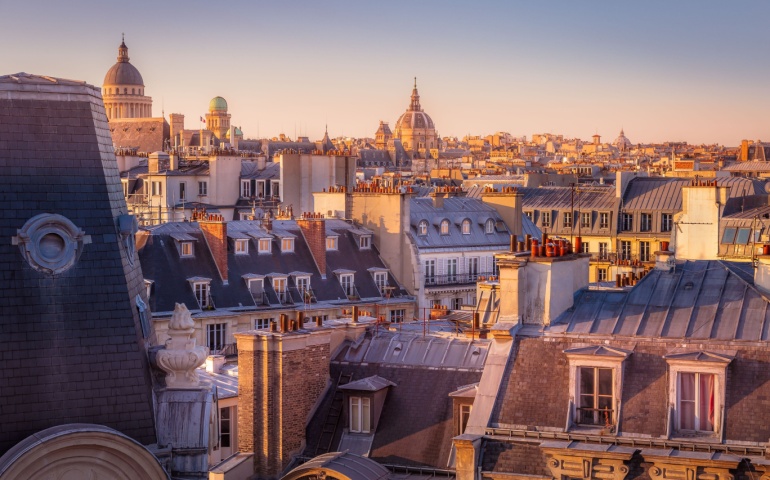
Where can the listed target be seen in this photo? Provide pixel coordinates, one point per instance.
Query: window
(627, 222)
(303, 285)
(604, 220)
(201, 290)
(729, 235)
(697, 391)
(422, 227)
(585, 220)
(665, 222)
(466, 227)
(279, 285)
(546, 219)
(183, 191)
(567, 219)
(186, 249)
(444, 227)
(381, 280)
(157, 189)
(264, 245)
(365, 242)
(473, 268)
(430, 272)
(457, 303)
(604, 252)
(262, 323)
(451, 270)
(595, 400)
(489, 226)
(436, 304)
(743, 236)
(529, 215)
(241, 247)
(331, 243)
(215, 336)
(585, 247)
(203, 189)
(465, 414)
(495, 267)
(346, 280)
(287, 245)
(696, 401)
(245, 188)
(644, 251)
(276, 188)
(397, 316)
(645, 222)
(625, 250)
(601, 274)
(227, 421)
(360, 418)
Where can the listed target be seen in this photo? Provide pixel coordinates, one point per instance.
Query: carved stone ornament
(609, 463)
(181, 357)
(667, 471)
(50, 243)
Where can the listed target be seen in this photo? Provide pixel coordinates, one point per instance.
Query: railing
(227, 350)
(455, 278)
(613, 257)
(352, 292)
(595, 416)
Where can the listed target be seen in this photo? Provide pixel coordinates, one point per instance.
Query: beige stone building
(123, 90)
(415, 128)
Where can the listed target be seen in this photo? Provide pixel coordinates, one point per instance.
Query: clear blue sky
(663, 70)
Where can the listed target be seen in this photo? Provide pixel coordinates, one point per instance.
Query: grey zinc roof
(558, 198)
(368, 384)
(752, 166)
(345, 463)
(698, 300)
(250, 170)
(665, 194)
(455, 209)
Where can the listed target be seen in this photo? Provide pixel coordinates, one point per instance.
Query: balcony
(614, 257)
(455, 279)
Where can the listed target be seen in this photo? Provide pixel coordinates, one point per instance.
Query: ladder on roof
(333, 417)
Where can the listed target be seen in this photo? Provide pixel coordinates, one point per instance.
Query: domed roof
(414, 117)
(238, 132)
(218, 104)
(622, 140)
(123, 73)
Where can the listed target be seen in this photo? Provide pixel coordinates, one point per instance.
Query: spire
(415, 105)
(123, 50)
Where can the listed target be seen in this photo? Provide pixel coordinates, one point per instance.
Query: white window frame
(601, 274)
(360, 414)
(264, 245)
(381, 280)
(604, 220)
(644, 250)
(473, 268)
(465, 415)
(545, 219)
(444, 227)
(287, 245)
(615, 361)
(186, 249)
(626, 222)
(365, 242)
(347, 280)
(625, 250)
(585, 220)
(303, 283)
(489, 227)
(585, 247)
(241, 246)
(202, 294)
(466, 227)
(332, 243)
(218, 329)
(452, 269)
(397, 315)
(422, 228)
(263, 323)
(604, 250)
(666, 222)
(157, 188)
(281, 288)
(203, 188)
(645, 222)
(245, 188)
(567, 218)
(430, 270)
(717, 367)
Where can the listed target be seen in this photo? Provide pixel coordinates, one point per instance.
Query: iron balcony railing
(455, 278)
(595, 416)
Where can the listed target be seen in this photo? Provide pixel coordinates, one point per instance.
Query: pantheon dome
(415, 128)
(123, 90)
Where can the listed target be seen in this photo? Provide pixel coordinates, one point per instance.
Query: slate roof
(250, 170)
(698, 300)
(143, 134)
(456, 209)
(561, 198)
(163, 265)
(72, 342)
(665, 194)
(750, 166)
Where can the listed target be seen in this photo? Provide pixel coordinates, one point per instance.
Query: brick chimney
(313, 228)
(281, 377)
(214, 228)
(508, 204)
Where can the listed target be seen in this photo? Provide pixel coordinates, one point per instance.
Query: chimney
(536, 289)
(438, 199)
(214, 228)
(281, 377)
(173, 162)
(508, 205)
(157, 162)
(214, 363)
(696, 233)
(177, 124)
(313, 227)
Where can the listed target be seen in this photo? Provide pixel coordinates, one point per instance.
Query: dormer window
(346, 280)
(186, 249)
(360, 414)
(422, 228)
(201, 290)
(466, 227)
(489, 226)
(241, 247)
(287, 245)
(381, 280)
(263, 246)
(444, 228)
(365, 242)
(332, 243)
(157, 188)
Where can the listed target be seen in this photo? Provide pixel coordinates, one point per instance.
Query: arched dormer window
(422, 228)
(444, 227)
(489, 227)
(466, 227)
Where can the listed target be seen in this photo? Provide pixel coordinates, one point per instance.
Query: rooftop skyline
(662, 71)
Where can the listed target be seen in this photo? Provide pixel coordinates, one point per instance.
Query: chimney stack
(313, 227)
(214, 228)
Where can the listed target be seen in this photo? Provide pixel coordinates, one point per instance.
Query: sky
(694, 71)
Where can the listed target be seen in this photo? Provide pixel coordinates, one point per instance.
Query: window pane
(687, 401)
(587, 380)
(743, 236)
(706, 407)
(729, 235)
(605, 381)
(365, 416)
(355, 414)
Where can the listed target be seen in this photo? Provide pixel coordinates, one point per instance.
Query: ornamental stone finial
(181, 357)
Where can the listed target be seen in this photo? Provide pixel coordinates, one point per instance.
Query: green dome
(238, 133)
(217, 104)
